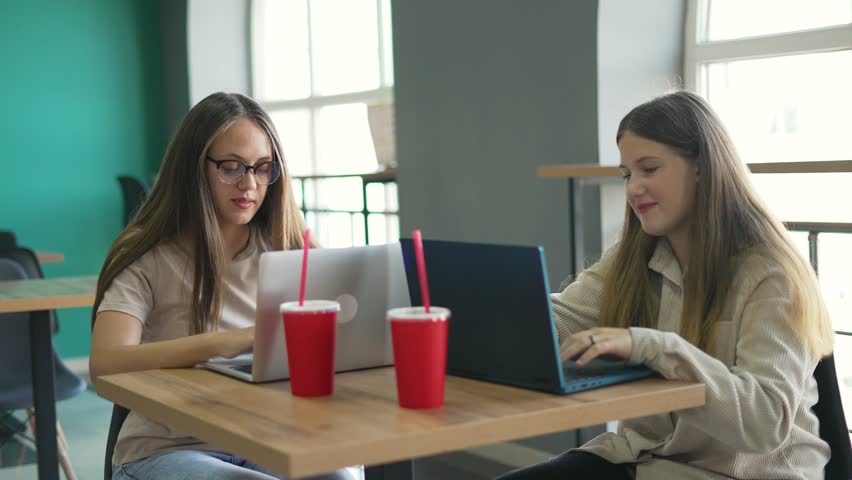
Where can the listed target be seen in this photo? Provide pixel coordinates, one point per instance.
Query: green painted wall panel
(81, 87)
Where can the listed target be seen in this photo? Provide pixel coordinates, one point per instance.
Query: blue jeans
(192, 464)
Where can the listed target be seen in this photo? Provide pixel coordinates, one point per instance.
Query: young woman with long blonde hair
(704, 285)
(179, 284)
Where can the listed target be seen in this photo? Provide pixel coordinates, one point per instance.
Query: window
(779, 72)
(319, 67)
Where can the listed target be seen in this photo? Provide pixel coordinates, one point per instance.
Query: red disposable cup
(420, 355)
(310, 332)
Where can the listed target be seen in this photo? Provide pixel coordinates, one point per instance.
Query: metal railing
(381, 177)
(814, 229)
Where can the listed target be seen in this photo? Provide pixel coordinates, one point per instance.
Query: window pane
(382, 197)
(392, 196)
(729, 19)
(345, 45)
(387, 46)
(343, 140)
(376, 197)
(294, 130)
(383, 229)
(843, 364)
(282, 70)
(339, 229)
(338, 194)
(835, 277)
(811, 197)
(793, 108)
(296, 186)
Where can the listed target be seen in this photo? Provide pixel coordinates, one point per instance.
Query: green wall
(81, 87)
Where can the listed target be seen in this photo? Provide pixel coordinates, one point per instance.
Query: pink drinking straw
(307, 242)
(421, 268)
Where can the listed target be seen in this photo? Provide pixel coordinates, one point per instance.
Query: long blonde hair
(728, 218)
(180, 206)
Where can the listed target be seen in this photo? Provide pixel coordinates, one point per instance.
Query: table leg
(575, 219)
(403, 470)
(44, 397)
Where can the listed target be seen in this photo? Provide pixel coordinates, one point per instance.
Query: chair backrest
(134, 193)
(832, 421)
(119, 414)
(15, 326)
(7, 239)
(27, 259)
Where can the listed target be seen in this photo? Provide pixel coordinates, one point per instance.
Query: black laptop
(501, 327)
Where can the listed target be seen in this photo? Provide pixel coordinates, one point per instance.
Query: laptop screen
(500, 328)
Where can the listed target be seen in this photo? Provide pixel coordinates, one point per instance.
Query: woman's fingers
(590, 344)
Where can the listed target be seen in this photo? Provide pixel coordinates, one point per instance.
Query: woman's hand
(236, 342)
(595, 342)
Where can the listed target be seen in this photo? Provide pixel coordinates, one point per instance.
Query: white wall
(218, 47)
(640, 56)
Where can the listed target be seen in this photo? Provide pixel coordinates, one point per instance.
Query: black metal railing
(814, 229)
(382, 177)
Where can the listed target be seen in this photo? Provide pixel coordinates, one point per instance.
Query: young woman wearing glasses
(179, 284)
(705, 285)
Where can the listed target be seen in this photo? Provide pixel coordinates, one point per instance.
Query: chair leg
(31, 420)
(64, 459)
(31, 424)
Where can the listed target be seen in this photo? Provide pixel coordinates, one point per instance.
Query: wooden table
(362, 423)
(47, 293)
(39, 296)
(577, 174)
(50, 257)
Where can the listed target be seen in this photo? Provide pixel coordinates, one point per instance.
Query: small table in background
(40, 296)
(50, 257)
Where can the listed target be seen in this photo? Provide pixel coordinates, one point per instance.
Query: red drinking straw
(421, 268)
(307, 242)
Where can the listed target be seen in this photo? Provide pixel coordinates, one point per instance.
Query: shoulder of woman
(757, 266)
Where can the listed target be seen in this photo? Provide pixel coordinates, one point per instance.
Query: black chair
(832, 421)
(119, 414)
(16, 390)
(134, 193)
(7, 239)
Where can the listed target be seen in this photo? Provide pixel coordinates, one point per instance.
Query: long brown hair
(180, 206)
(728, 218)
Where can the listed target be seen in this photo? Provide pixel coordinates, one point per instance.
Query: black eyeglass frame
(246, 169)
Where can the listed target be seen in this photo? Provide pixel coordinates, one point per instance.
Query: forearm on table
(177, 353)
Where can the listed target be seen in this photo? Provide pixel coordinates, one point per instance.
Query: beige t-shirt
(757, 420)
(156, 290)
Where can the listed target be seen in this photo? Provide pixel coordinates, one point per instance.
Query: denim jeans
(192, 464)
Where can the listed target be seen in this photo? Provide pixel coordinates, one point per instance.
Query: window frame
(698, 51)
(312, 103)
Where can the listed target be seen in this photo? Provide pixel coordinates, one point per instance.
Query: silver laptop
(367, 281)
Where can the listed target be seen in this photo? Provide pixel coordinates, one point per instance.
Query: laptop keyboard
(596, 368)
(243, 368)
(576, 374)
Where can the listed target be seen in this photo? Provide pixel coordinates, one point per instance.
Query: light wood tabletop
(594, 170)
(50, 257)
(361, 423)
(47, 293)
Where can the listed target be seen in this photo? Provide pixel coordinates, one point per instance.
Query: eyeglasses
(231, 171)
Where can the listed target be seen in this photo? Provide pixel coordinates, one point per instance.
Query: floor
(85, 420)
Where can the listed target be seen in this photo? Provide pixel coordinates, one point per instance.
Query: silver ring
(592, 339)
